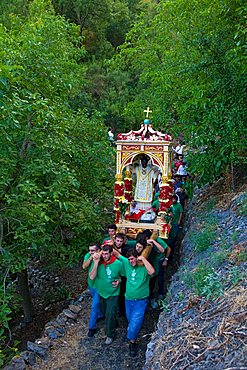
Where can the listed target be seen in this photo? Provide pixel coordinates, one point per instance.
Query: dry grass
(207, 340)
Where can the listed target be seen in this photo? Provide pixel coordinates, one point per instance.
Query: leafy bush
(242, 256)
(213, 286)
(204, 237)
(204, 281)
(195, 279)
(7, 305)
(242, 205)
(218, 258)
(56, 163)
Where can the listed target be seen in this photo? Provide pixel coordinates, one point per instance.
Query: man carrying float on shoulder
(107, 272)
(137, 293)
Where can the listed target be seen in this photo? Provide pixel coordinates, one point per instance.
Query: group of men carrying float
(117, 270)
(122, 272)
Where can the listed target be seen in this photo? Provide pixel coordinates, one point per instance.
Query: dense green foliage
(188, 63)
(55, 162)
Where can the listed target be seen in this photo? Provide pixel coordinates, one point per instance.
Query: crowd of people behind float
(121, 280)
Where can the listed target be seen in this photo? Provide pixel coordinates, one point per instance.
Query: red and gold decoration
(157, 146)
(128, 186)
(165, 197)
(118, 193)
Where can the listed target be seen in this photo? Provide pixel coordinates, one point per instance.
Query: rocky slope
(203, 323)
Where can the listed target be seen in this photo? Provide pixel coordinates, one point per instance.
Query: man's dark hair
(148, 233)
(140, 236)
(107, 248)
(174, 197)
(113, 226)
(97, 245)
(132, 252)
(120, 235)
(142, 241)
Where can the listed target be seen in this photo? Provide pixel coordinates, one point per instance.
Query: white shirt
(179, 149)
(182, 170)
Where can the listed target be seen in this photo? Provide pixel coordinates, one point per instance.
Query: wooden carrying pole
(146, 251)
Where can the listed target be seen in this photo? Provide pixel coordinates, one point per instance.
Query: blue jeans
(135, 311)
(95, 309)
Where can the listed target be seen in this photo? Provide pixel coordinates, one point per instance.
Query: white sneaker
(108, 340)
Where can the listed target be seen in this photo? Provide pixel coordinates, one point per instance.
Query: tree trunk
(25, 295)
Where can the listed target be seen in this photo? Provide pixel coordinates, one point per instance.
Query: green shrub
(213, 286)
(203, 238)
(7, 350)
(235, 275)
(204, 281)
(242, 205)
(58, 294)
(242, 257)
(235, 237)
(218, 258)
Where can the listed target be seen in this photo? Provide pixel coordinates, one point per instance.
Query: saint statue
(145, 177)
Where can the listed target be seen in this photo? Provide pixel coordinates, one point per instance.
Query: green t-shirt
(137, 286)
(131, 243)
(177, 209)
(155, 255)
(105, 277)
(89, 281)
(162, 243)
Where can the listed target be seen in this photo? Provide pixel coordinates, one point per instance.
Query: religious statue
(145, 177)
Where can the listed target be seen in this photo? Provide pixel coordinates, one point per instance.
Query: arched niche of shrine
(132, 159)
(140, 175)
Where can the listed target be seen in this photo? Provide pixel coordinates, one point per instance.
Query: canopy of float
(155, 144)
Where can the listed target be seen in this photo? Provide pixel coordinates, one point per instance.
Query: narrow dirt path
(75, 351)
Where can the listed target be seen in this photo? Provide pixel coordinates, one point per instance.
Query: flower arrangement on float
(123, 205)
(165, 201)
(167, 218)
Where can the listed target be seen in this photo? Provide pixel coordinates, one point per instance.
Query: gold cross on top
(147, 111)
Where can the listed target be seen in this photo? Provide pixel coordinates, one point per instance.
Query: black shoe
(133, 350)
(91, 332)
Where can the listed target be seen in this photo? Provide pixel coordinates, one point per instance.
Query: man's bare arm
(93, 272)
(87, 263)
(159, 246)
(147, 264)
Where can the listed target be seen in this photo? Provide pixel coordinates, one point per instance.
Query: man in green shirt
(137, 293)
(157, 254)
(95, 313)
(177, 211)
(112, 230)
(106, 273)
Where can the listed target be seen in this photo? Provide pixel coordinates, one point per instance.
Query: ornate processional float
(143, 173)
